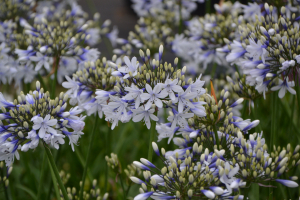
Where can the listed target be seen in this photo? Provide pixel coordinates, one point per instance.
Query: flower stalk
(88, 157)
(56, 173)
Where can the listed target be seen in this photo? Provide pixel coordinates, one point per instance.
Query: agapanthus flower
(58, 42)
(202, 43)
(149, 86)
(156, 8)
(267, 52)
(149, 34)
(185, 174)
(221, 134)
(33, 118)
(82, 88)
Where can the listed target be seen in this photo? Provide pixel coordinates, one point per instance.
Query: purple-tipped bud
(147, 162)
(239, 101)
(143, 196)
(155, 148)
(287, 183)
(209, 194)
(160, 51)
(140, 165)
(251, 125)
(217, 190)
(136, 180)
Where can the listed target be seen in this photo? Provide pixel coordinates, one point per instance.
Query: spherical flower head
(142, 88)
(267, 52)
(35, 117)
(181, 166)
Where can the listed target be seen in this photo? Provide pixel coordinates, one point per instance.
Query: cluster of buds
(132, 170)
(250, 159)
(34, 117)
(149, 34)
(85, 82)
(15, 9)
(141, 89)
(268, 51)
(166, 10)
(187, 174)
(242, 89)
(257, 165)
(4, 177)
(93, 194)
(64, 176)
(112, 161)
(204, 42)
(217, 123)
(58, 42)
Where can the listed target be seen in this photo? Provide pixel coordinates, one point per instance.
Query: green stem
(297, 88)
(88, 156)
(54, 181)
(3, 183)
(151, 139)
(273, 135)
(180, 28)
(81, 160)
(41, 185)
(107, 153)
(122, 185)
(56, 173)
(42, 81)
(207, 6)
(216, 136)
(52, 94)
(128, 188)
(55, 155)
(254, 188)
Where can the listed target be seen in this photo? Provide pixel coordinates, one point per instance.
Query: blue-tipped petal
(287, 183)
(147, 162)
(143, 196)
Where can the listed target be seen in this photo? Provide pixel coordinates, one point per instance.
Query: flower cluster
(214, 159)
(166, 9)
(268, 51)
(15, 9)
(204, 42)
(149, 33)
(56, 37)
(218, 120)
(94, 193)
(242, 89)
(141, 89)
(189, 173)
(55, 41)
(84, 84)
(34, 117)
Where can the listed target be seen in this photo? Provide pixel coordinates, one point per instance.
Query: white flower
(283, 86)
(44, 125)
(72, 85)
(153, 96)
(134, 93)
(184, 99)
(41, 61)
(141, 113)
(130, 67)
(256, 50)
(170, 86)
(179, 118)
